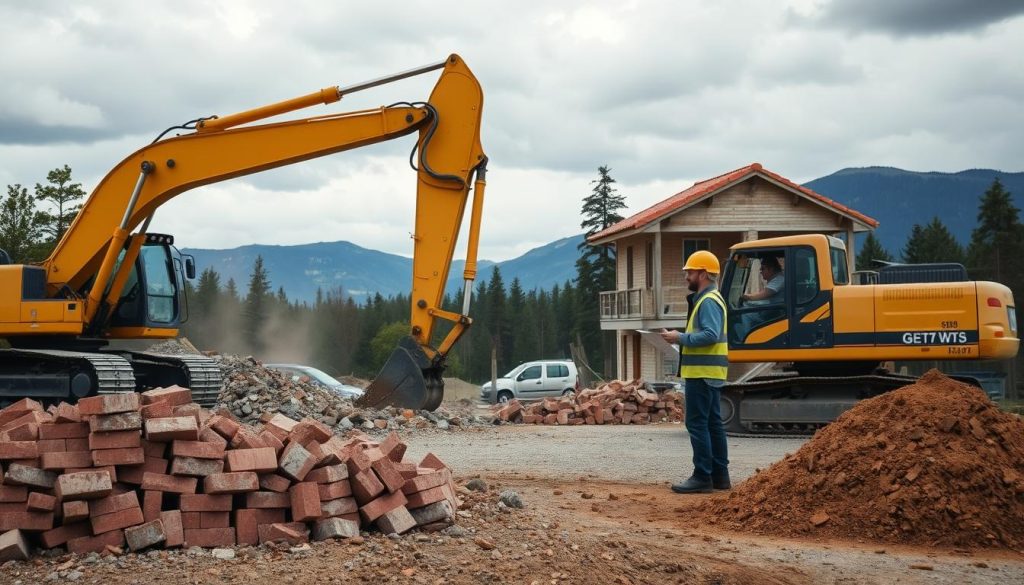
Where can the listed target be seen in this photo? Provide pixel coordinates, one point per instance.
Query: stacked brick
(155, 469)
(616, 402)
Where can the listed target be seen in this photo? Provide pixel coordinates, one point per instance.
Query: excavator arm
(450, 159)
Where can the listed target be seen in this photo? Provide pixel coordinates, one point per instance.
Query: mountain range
(361, 272)
(898, 199)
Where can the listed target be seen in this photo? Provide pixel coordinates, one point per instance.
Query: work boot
(694, 485)
(720, 481)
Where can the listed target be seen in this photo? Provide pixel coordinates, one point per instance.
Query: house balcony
(639, 304)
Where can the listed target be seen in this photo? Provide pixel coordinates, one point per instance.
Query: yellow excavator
(109, 278)
(831, 336)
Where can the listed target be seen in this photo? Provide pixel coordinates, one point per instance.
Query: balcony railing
(673, 301)
(643, 303)
(633, 303)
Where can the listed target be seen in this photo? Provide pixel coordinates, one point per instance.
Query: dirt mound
(932, 463)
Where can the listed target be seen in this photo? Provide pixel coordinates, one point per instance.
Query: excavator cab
(794, 295)
(153, 297)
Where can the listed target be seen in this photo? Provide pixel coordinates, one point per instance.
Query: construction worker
(703, 366)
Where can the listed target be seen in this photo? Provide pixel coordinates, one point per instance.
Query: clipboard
(654, 338)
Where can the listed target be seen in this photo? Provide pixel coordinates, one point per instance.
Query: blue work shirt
(707, 329)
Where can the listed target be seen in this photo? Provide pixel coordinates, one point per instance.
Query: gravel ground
(645, 454)
(573, 473)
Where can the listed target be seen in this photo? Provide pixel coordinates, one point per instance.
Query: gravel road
(544, 462)
(643, 454)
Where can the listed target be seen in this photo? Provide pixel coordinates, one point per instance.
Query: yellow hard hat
(703, 260)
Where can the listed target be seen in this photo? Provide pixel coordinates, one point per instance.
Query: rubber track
(205, 379)
(112, 372)
(879, 383)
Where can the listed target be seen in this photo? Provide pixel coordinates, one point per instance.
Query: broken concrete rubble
(252, 393)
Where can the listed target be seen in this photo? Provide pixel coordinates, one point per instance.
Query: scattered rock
(456, 531)
(477, 485)
(484, 543)
(224, 554)
(922, 567)
(511, 499)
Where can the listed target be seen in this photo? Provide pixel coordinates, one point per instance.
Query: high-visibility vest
(710, 361)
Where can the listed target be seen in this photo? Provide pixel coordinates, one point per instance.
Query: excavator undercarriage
(786, 402)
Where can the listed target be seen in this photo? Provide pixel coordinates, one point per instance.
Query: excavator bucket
(408, 379)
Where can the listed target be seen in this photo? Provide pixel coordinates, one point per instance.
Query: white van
(532, 380)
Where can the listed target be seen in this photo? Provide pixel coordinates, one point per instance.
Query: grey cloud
(918, 17)
(657, 90)
(14, 131)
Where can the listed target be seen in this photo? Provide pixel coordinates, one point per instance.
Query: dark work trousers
(704, 424)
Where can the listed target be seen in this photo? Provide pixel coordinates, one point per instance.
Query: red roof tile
(702, 188)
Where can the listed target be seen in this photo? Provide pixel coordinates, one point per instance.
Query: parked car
(297, 372)
(532, 380)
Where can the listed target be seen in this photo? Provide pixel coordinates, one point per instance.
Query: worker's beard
(693, 285)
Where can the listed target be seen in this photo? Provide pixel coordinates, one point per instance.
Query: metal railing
(673, 301)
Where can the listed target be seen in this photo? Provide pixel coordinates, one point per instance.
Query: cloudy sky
(665, 93)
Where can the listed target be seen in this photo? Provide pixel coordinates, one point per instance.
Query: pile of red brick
(155, 469)
(616, 402)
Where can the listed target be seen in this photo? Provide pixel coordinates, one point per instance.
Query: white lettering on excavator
(935, 337)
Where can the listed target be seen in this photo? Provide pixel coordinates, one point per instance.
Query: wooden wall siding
(650, 364)
(756, 204)
(639, 244)
(672, 261)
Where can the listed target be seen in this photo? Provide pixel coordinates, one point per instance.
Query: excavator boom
(91, 265)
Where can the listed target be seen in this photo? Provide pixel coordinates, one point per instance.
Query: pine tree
(996, 250)
(257, 306)
(231, 289)
(21, 226)
(64, 199)
(595, 269)
(600, 211)
(932, 243)
(870, 251)
(497, 318)
(205, 305)
(518, 325)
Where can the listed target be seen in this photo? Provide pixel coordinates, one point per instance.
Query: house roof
(708, 187)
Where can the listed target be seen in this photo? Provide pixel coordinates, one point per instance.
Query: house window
(649, 265)
(691, 246)
(629, 267)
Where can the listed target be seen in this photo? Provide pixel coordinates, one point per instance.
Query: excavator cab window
(762, 275)
(840, 272)
(150, 296)
(805, 275)
(160, 289)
